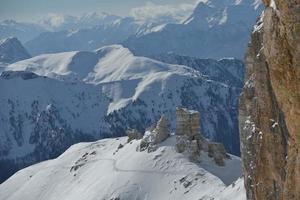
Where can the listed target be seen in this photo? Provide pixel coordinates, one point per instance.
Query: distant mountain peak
(11, 50)
(214, 12)
(200, 14)
(215, 29)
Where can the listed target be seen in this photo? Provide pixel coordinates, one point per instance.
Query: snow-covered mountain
(113, 169)
(87, 33)
(11, 50)
(83, 39)
(216, 29)
(114, 90)
(23, 31)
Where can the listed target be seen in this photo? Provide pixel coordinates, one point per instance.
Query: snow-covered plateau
(106, 170)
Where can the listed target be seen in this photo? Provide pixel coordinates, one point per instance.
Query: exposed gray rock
(181, 143)
(155, 136)
(120, 146)
(218, 152)
(161, 131)
(133, 134)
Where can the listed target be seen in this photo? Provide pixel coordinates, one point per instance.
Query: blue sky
(31, 10)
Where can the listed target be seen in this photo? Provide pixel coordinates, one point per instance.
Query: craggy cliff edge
(270, 105)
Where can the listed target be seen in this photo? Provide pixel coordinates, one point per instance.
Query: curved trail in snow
(118, 169)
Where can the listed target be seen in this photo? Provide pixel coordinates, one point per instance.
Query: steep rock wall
(270, 105)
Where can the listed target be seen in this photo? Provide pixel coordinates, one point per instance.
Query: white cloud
(53, 20)
(56, 20)
(152, 12)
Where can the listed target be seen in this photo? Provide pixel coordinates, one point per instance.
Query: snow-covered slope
(100, 170)
(41, 117)
(107, 64)
(216, 29)
(139, 89)
(11, 50)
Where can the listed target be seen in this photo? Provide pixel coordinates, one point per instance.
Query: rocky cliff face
(187, 123)
(270, 105)
(189, 139)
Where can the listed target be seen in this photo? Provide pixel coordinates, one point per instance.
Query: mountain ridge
(214, 30)
(134, 91)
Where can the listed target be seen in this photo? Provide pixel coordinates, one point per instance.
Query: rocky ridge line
(189, 139)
